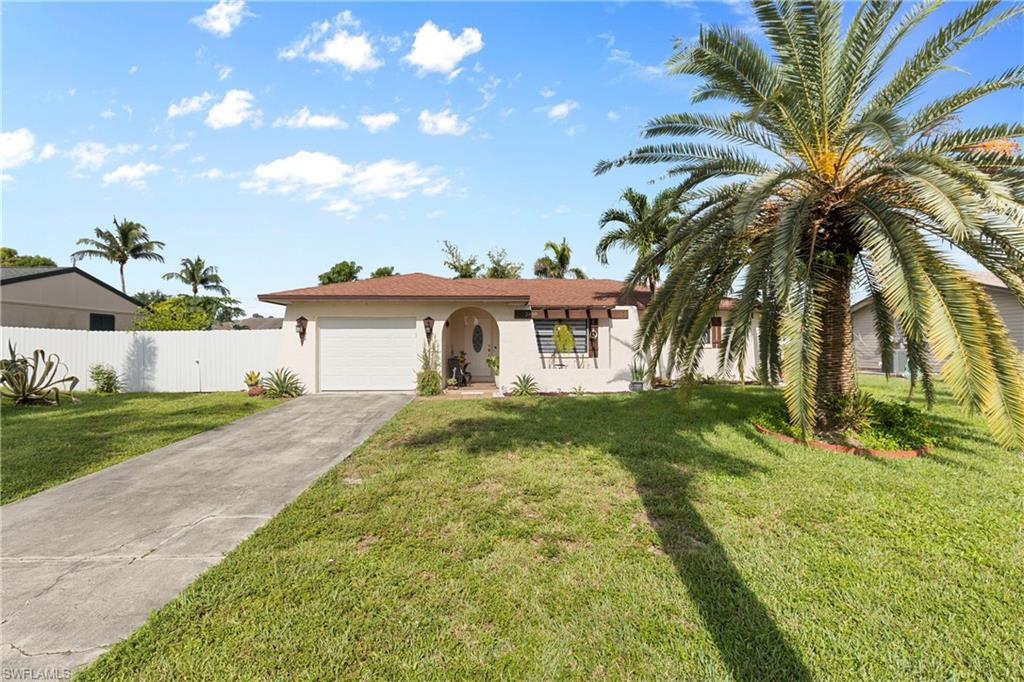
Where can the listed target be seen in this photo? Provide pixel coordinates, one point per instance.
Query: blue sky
(277, 139)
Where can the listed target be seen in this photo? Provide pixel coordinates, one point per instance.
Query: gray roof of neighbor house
(983, 277)
(253, 323)
(11, 272)
(11, 275)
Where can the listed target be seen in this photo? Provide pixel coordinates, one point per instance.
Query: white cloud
(614, 116)
(71, 92)
(211, 174)
(508, 111)
(6, 177)
(235, 109)
(223, 71)
(343, 207)
(557, 112)
(316, 173)
(547, 93)
(444, 122)
(643, 70)
(221, 19)
(16, 147)
(434, 49)
(134, 70)
(302, 170)
(392, 43)
(354, 51)
(489, 92)
(128, 110)
(90, 155)
(133, 175)
(47, 152)
(304, 119)
(378, 122)
(179, 147)
(189, 105)
(108, 114)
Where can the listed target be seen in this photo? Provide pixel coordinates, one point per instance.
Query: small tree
(172, 315)
(501, 267)
(383, 271)
(148, 298)
(128, 240)
(10, 258)
(196, 274)
(563, 340)
(463, 267)
(343, 271)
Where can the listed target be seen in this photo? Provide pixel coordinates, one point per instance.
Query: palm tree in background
(643, 228)
(824, 173)
(127, 241)
(556, 266)
(198, 275)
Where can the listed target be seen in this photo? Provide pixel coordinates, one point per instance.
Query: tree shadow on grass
(664, 448)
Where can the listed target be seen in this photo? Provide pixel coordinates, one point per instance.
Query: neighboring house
(62, 298)
(865, 340)
(252, 323)
(368, 334)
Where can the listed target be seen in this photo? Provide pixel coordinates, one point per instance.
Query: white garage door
(367, 354)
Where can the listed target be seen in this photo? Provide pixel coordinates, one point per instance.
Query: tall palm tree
(197, 274)
(832, 173)
(644, 226)
(556, 266)
(127, 241)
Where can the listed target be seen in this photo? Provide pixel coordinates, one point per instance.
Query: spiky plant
(825, 172)
(282, 383)
(557, 265)
(39, 379)
(641, 228)
(128, 240)
(196, 274)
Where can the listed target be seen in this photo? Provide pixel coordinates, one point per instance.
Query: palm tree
(644, 227)
(127, 241)
(556, 266)
(830, 174)
(197, 274)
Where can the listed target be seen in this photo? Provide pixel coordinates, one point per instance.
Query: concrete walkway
(83, 564)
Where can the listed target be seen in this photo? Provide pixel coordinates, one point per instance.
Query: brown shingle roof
(570, 293)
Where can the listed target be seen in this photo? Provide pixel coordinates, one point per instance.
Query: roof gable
(13, 275)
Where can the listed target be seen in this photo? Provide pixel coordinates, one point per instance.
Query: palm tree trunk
(836, 373)
(124, 289)
(195, 289)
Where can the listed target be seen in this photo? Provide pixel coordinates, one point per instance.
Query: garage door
(367, 354)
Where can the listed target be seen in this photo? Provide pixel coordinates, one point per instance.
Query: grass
(613, 537)
(45, 446)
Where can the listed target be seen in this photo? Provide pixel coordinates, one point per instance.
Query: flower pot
(636, 386)
(255, 391)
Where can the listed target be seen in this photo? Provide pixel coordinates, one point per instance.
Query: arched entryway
(472, 331)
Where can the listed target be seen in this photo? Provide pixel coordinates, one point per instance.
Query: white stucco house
(865, 341)
(368, 334)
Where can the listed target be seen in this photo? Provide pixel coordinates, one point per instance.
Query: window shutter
(716, 332)
(544, 329)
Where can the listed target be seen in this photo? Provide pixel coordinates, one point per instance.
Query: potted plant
(637, 375)
(254, 382)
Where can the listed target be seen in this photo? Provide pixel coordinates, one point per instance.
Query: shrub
(252, 378)
(562, 338)
(639, 371)
(29, 381)
(850, 412)
(494, 362)
(104, 379)
(428, 379)
(282, 383)
(524, 385)
(579, 390)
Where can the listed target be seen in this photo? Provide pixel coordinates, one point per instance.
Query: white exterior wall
(608, 372)
(156, 361)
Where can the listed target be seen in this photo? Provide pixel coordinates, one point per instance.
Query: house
(62, 298)
(368, 334)
(865, 341)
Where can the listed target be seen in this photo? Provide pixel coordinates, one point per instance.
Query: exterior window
(713, 334)
(545, 328)
(99, 322)
(478, 338)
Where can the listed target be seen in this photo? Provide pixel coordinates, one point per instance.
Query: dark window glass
(98, 322)
(544, 330)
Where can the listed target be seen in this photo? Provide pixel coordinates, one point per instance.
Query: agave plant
(282, 383)
(524, 385)
(834, 166)
(40, 379)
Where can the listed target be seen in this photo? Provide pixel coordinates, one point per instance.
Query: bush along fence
(178, 361)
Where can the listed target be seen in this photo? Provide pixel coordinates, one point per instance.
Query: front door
(478, 345)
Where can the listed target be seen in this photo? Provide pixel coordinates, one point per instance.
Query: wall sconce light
(300, 329)
(428, 326)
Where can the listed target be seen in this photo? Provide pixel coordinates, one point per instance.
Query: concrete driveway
(83, 564)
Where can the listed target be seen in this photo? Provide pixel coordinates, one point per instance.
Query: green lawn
(44, 446)
(610, 538)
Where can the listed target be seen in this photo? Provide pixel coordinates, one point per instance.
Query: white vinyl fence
(156, 361)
